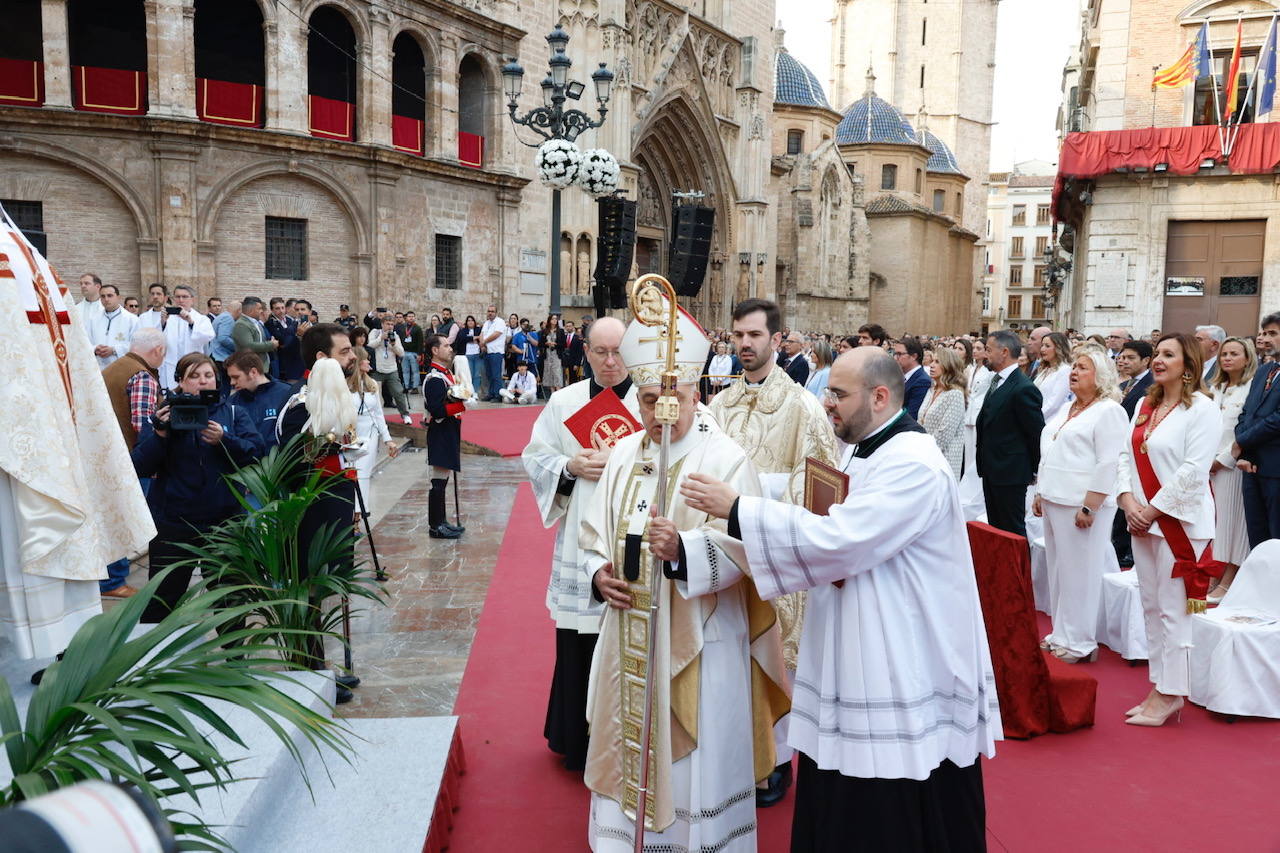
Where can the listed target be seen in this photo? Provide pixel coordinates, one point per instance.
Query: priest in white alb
(718, 679)
(564, 473)
(70, 502)
(894, 697)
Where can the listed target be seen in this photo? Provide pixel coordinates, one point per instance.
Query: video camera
(190, 411)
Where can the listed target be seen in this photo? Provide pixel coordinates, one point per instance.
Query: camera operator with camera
(191, 442)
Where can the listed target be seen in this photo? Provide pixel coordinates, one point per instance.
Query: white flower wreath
(599, 173)
(559, 163)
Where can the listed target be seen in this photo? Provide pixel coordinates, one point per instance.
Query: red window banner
(470, 150)
(21, 83)
(109, 90)
(406, 134)
(236, 104)
(330, 119)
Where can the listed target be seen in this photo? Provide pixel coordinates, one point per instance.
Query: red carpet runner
(1202, 784)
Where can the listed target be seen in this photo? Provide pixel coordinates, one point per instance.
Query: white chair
(1235, 658)
(1120, 624)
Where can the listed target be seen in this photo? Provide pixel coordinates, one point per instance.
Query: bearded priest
(894, 696)
(718, 680)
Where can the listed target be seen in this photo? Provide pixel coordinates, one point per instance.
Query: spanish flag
(1233, 76)
(1194, 63)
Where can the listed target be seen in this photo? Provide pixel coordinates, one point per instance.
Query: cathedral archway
(676, 151)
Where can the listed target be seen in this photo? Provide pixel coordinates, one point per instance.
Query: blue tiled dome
(941, 160)
(872, 119)
(795, 84)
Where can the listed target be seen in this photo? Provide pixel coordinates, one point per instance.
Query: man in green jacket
(249, 333)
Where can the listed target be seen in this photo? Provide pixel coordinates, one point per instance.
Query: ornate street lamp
(553, 121)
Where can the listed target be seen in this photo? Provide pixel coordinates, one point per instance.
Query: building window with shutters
(448, 262)
(1042, 245)
(286, 248)
(1015, 275)
(795, 141)
(1015, 247)
(1019, 214)
(1042, 214)
(1015, 304)
(888, 177)
(1037, 307)
(1042, 274)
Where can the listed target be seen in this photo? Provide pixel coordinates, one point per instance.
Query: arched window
(472, 114)
(919, 181)
(408, 94)
(21, 55)
(939, 201)
(230, 72)
(331, 75)
(795, 141)
(108, 47)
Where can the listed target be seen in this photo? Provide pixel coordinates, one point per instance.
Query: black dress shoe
(461, 528)
(348, 681)
(778, 783)
(444, 531)
(344, 696)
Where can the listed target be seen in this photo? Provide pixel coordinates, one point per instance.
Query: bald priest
(894, 696)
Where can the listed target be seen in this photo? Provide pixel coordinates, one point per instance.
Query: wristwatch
(1086, 510)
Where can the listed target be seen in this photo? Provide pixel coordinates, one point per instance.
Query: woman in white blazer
(1075, 494)
(1053, 374)
(1176, 428)
(371, 425)
(971, 500)
(1237, 362)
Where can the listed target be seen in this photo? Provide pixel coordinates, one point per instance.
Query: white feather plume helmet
(331, 407)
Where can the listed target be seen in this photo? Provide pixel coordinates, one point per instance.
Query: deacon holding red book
(566, 455)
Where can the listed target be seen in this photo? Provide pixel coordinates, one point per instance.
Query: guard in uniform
(445, 400)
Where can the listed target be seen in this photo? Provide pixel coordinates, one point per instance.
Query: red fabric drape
(1256, 149)
(21, 83)
(470, 150)
(331, 119)
(406, 134)
(236, 104)
(109, 90)
(1033, 700)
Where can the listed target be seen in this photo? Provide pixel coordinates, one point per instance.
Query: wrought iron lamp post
(553, 121)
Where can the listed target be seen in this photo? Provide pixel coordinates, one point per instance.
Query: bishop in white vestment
(564, 477)
(718, 680)
(894, 696)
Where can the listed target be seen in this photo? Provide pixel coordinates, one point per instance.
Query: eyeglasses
(607, 353)
(832, 397)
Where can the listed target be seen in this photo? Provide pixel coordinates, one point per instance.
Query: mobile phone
(172, 309)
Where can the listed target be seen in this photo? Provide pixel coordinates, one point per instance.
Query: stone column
(171, 80)
(285, 43)
(375, 87)
(448, 84)
(57, 53)
(175, 167)
(382, 200)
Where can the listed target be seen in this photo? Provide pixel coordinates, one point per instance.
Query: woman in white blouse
(971, 500)
(942, 412)
(1237, 362)
(720, 373)
(1053, 374)
(371, 425)
(1075, 494)
(1176, 430)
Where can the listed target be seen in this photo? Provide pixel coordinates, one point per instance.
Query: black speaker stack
(615, 247)
(691, 227)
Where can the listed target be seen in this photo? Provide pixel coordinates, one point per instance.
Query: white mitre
(76, 496)
(644, 349)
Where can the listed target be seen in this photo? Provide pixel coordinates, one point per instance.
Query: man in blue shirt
(525, 342)
(260, 396)
(222, 345)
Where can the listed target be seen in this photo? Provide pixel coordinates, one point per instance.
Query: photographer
(387, 353)
(189, 495)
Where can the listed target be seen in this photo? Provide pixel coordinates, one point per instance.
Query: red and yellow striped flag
(1233, 75)
(1179, 73)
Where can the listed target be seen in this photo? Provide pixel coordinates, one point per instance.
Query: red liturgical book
(602, 422)
(824, 486)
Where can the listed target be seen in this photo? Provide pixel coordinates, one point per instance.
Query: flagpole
(1217, 105)
(1154, 69)
(1248, 92)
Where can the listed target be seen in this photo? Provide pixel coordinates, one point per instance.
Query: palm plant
(138, 710)
(262, 553)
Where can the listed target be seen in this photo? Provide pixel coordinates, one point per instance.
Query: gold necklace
(1156, 420)
(1071, 413)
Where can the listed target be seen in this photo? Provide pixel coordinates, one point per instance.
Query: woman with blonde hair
(371, 425)
(1075, 495)
(942, 412)
(1164, 493)
(1237, 362)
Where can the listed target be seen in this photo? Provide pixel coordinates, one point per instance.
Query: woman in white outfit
(942, 411)
(371, 425)
(1174, 436)
(971, 499)
(1237, 362)
(1075, 494)
(1053, 375)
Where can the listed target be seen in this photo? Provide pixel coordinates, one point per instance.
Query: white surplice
(550, 448)
(180, 338)
(703, 799)
(895, 676)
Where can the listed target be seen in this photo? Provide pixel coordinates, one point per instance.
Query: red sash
(1196, 574)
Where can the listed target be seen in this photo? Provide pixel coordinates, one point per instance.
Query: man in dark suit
(574, 353)
(909, 353)
(1009, 427)
(1258, 441)
(283, 328)
(1133, 364)
(792, 359)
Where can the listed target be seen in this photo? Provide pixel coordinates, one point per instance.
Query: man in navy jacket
(909, 354)
(261, 396)
(1258, 441)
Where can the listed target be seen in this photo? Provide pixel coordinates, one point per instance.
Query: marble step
(383, 800)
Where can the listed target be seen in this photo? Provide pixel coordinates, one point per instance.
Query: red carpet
(1203, 784)
(504, 430)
